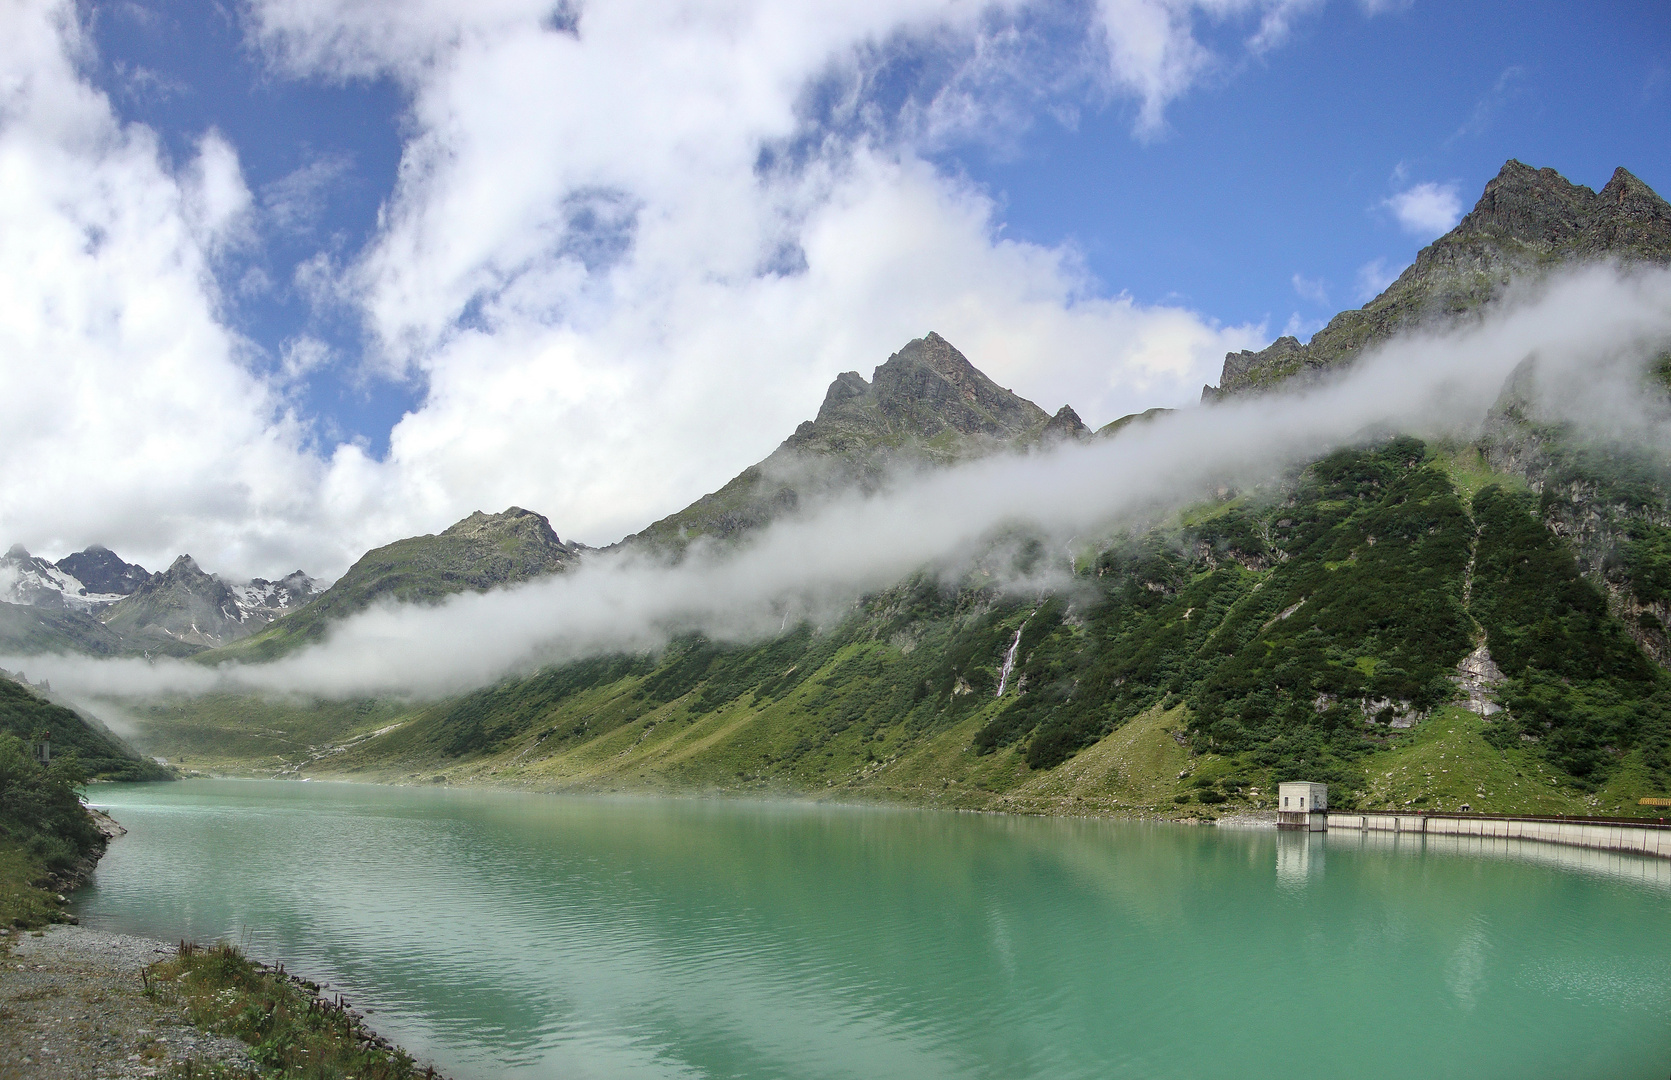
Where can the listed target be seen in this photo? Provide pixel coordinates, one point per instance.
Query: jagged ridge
(1527, 222)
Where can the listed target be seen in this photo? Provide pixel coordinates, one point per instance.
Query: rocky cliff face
(1527, 222)
(927, 396)
(101, 570)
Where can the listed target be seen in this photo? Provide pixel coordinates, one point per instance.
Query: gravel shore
(73, 1006)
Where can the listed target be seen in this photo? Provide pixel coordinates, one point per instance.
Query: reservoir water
(512, 935)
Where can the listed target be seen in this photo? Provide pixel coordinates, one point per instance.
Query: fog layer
(1589, 333)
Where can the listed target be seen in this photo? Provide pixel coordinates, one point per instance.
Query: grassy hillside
(227, 734)
(100, 753)
(1310, 630)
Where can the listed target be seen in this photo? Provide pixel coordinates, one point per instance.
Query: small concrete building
(1302, 805)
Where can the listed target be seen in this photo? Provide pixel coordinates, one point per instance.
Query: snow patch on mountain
(34, 582)
(267, 600)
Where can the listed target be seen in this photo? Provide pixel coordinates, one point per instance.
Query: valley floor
(1143, 769)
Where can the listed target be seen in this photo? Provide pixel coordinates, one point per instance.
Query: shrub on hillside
(40, 809)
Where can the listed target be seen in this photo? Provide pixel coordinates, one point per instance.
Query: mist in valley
(1574, 350)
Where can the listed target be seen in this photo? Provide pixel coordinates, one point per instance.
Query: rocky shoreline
(78, 1003)
(73, 1006)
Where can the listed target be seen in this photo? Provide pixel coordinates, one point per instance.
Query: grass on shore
(27, 902)
(292, 1031)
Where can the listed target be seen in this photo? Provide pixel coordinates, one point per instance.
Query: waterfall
(1009, 660)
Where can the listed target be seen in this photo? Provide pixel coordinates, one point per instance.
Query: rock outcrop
(101, 570)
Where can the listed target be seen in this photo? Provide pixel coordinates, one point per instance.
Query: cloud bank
(1590, 333)
(628, 247)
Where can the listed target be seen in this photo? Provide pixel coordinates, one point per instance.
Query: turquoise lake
(511, 935)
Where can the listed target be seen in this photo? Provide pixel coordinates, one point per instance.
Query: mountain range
(94, 602)
(1417, 623)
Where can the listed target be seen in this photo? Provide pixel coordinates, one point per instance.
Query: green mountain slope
(1315, 629)
(103, 755)
(481, 552)
(1417, 625)
(27, 630)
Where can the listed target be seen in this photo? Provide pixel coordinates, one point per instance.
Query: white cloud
(1374, 277)
(1509, 86)
(1301, 327)
(127, 418)
(215, 199)
(555, 378)
(294, 202)
(1155, 56)
(1315, 290)
(613, 306)
(1427, 210)
(302, 355)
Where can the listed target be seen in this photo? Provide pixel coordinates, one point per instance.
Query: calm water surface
(514, 935)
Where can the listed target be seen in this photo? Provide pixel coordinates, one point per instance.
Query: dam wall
(1627, 835)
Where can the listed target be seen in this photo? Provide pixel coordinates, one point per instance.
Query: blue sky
(358, 269)
(1274, 169)
(1283, 168)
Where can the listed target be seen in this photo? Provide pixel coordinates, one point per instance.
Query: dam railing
(1637, 836)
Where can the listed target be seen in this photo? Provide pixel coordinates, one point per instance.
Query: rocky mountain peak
(85, 582)
(928, 387)
(184, 568)
(1066, 424)
(477, 553)
(186, 606)
(926, 392)
(103, 571)
(1540, 210)
(926, 404)
(848, 387)
(514, 523)
(1529, 204)
(1527, 222)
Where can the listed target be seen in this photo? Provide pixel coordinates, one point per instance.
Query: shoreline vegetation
(88, 1002)
(1148, 769)
(77, 1001)
(291, 1027)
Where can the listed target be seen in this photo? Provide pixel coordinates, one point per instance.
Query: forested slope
(1312, 629)
(1483, 622)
